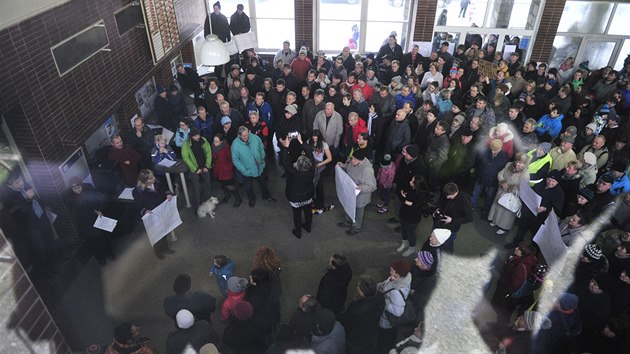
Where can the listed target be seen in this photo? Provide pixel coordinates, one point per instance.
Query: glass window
(334, 35)
(339, 10)
(393, 11)
(269, 35)
(619, 24)
(228, 7)
(625, 50)
(461, 13)
(377, 33)
(563, 46)
(585, 17)
(598, 53)
(275, 9)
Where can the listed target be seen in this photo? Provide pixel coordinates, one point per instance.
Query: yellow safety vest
(536, 166)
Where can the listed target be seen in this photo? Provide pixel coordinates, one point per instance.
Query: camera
(438, 215)
(292, 135)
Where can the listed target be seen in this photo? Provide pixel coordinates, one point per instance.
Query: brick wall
(425, 19)
(304, 22)
(547, 30)
(50, 116)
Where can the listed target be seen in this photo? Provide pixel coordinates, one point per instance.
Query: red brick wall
(304, 22)
(547, 30)
(50, 116)
(425, 19)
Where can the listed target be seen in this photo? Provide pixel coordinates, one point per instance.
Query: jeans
(201, 188)
(249, 187)
(319, 192)
(409, 232)
(449, 245)
(488, 192)
(385, 193)
(358, 219)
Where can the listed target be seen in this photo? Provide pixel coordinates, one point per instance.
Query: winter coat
(189, 157)
(361, 322)
(363, 176)
(358, 128)
(437, 151)
(222, 275)
(239, 23)
(385, 176)
(331, 128)
(249, 157)
(515, 272)
(244, 337)
(507, 139)
(148, 199)
(458, 208)
(264, 112)
(559, 159)
(398, 136)
(396, 292)
(411, 206)
(201, 304)
(223, 168)
(333, 288)
(299, 187)
(332, 343)
(551, 126)
(488, 167)
(620, 185)
(227, 308)
(196, 336)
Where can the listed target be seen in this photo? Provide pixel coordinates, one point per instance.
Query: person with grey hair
(360, 170)
(299, 189)
(329, 122)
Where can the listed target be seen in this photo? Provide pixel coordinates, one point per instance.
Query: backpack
(408, 317)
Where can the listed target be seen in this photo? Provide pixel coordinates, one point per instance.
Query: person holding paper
(552, 199)
(161, 151)
(87, 207)
(361, 171)
(148, 194)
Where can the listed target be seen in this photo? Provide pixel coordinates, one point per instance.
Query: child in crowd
(385, 180)
(222, 269)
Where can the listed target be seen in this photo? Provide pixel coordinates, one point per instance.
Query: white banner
(549, 240)
(346, 192)
(162, 220)
(528, 196)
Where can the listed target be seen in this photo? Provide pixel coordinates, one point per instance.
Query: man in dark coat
(361, 318)
(142, 140)
(164, 110)
(489, 164)
(190, 81)
(303, 319)
(333, 287)
(452, 211)
(239, 22)
(127, 159)
(201, 304)
(189, 331)
(552, 199)
(220, 25)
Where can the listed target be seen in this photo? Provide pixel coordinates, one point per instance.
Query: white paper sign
(167, 163)
(528, 196)
(162, 220)
(507, 50)
(127, 194)
(105, 223)
(549, 240)
(245, 41)
(346, 192)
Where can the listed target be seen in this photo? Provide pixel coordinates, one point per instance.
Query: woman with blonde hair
(509, 180)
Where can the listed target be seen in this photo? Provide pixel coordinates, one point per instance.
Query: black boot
(237, 197)
(226, 194)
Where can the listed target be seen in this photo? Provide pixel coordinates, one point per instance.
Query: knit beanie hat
(225, 120)
(442, 235)
(185, 319)
(587, 193)
(243, 310)
(401, 267)
(387, 160)
(237, 285)
(359, 154)
(426, 258)
(209, 349)
(593, 251)
(412, 150)
(590, 158)
(545, 147)
(592, 126)
(325, 320)
(367, 285)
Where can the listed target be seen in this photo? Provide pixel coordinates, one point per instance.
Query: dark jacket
(220, 27)
(148, 199)
(411, 213)
(244, 337)
(488, 167)
(552, 198)
(201, 304)
(398, 136)
(299, 185)
(360, 320)
(333, 288)
(239, 23)
(196, 336)
(458, 208)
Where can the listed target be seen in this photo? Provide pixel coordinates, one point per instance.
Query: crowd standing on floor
(438, 137)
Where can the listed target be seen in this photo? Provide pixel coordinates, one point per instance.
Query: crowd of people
(447, 139)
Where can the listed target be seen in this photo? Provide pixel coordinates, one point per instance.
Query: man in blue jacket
(621, 184)
(550, 124)
(248, 156)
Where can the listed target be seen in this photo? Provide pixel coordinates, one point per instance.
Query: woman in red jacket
(223, 169)
(517, 269)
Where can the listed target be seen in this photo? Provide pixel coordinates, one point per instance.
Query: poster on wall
(75, 166)
(177, 60)
(145, 97)
(161, 26)
(101, 137)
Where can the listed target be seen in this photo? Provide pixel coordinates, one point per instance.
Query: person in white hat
(190, 332)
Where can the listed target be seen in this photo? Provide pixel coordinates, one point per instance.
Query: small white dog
(207, 208)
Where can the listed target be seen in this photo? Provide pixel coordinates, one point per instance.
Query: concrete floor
(133, 287)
